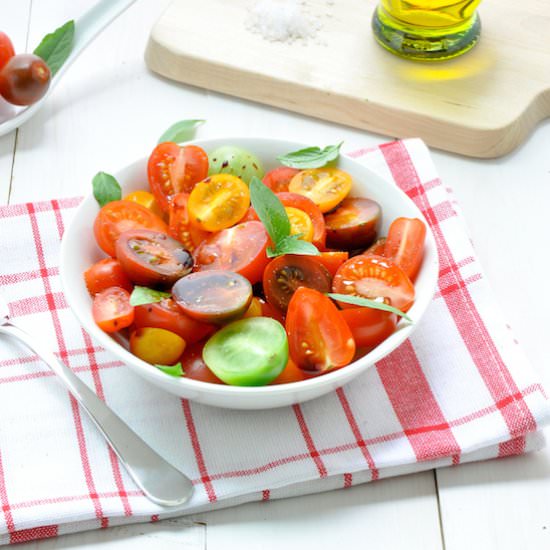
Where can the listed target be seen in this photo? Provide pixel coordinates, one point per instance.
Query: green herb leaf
(311, 157)
(181, 131)
(357, 301)
(143, 295)
(173, 370)
(56, 46)
(106, 188)
(293, 245)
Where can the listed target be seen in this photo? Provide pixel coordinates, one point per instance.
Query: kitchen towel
(459, 390)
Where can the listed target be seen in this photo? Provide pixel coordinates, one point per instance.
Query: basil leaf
(173, 370)
(292, 245)
(184, 130)
(143, 295)
(56, 46)
(311, 157)
(357, 301)
(270, 210)
(106, 188)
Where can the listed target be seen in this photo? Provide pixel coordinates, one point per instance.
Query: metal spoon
(159, 480)
(87, 28)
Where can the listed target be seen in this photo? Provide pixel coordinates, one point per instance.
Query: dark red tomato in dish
(105, 274)
(332, 260)
(241, 249)
(285, 274)
(279, 178)
(180, 226)
(168, 315)
(405, 244)
(111, 309)
(374, 277)
(24, 79)
(376, 248)
(151, 258)
(6, 49)
(318, 337)
(369, 326)
(116, 217)
(175, 169)
(354, 224)
(213, 296)
(194, 367)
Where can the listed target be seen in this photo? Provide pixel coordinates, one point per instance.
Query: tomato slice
(374, 277)
(6, 49)
(147, 200)
(119, 216)
(156, 345)
(174, 169)
(291, 373)
(279, 178)
(285, 274)
(194, 367)
(105, 274)
(376, 248)
(332, 260)
(218, 202)
(354, 224)
(111, 309)
(213, 296)
(318, 337)
(326, 187)
(405, 244)
(152, 259)
(180, 226)
(241, 249)
(300, 223)
(369, 326)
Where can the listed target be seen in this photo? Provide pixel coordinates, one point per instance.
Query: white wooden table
(109, 110)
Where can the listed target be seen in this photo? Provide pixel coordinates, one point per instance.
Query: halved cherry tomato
(241, 249)
(326, 187)
(168, 315)
(332, 260)
(6, 49)
(285, 274)
(151, 258)
(254, 309)
(354, 224)
(145, 199)
(369, 326)
(119, 216)
(213, 296)
(291, 373)
(405, 244)
(218, 202)
(376, 248)
(105, 274)
(156, 345)
(180, 226)
(272, 312)
(174, 169)
(374, 277)
(300, 223)
(279, 178)
(194, 367)
(112, 310)
(318, 337)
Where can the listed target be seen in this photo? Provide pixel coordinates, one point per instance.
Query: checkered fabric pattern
(459, 390)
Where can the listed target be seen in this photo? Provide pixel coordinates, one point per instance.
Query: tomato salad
(222, 273)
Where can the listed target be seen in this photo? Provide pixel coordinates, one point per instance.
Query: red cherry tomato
(369, 326)
(194, 367)
(119, 216)
(174, 169)
(180, 226)
(24, 79)
(374, 277)
(269, 311)
(241, 249)
(405, 244)
(318, 337)
(376, 248)
(279, 178)
(332, 260)
(6, 49)
(105, 274)
(112, 310)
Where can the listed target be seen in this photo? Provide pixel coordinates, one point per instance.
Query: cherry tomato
(213, 296)
(405, 244)
(174, 169)
(332, 260)
(369, 326)
(374, 277)
(229, 159)
(241, 249)
(156, 345)
(194, 367)
(119, 216)
(376, 248)
(300, 223)
(112, 310)
(269, 311)
(318, 337)
(104, 274)
(218, 202)
(354, 224)
(291, 373)
(168, 315)
(24, 79)
(254, 309)
(6, 49)
(151, 258)
(279, 178)
(147, 200)
(285, 274)
(180, 226)
(326, 187)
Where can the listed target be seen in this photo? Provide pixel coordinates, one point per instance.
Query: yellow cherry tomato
(300, 223)
(156, 345)
(326, 187)
(218, 202)
(145, 199)
(254, 309)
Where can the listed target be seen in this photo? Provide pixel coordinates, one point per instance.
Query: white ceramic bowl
(79, 251)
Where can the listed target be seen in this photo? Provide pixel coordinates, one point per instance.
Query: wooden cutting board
(483, 104)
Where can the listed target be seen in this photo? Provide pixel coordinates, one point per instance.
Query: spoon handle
(159, 480)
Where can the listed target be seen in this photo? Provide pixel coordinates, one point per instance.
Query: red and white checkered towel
(459, 390)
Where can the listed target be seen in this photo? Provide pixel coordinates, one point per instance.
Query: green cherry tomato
(249, 352)
(236, 161)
